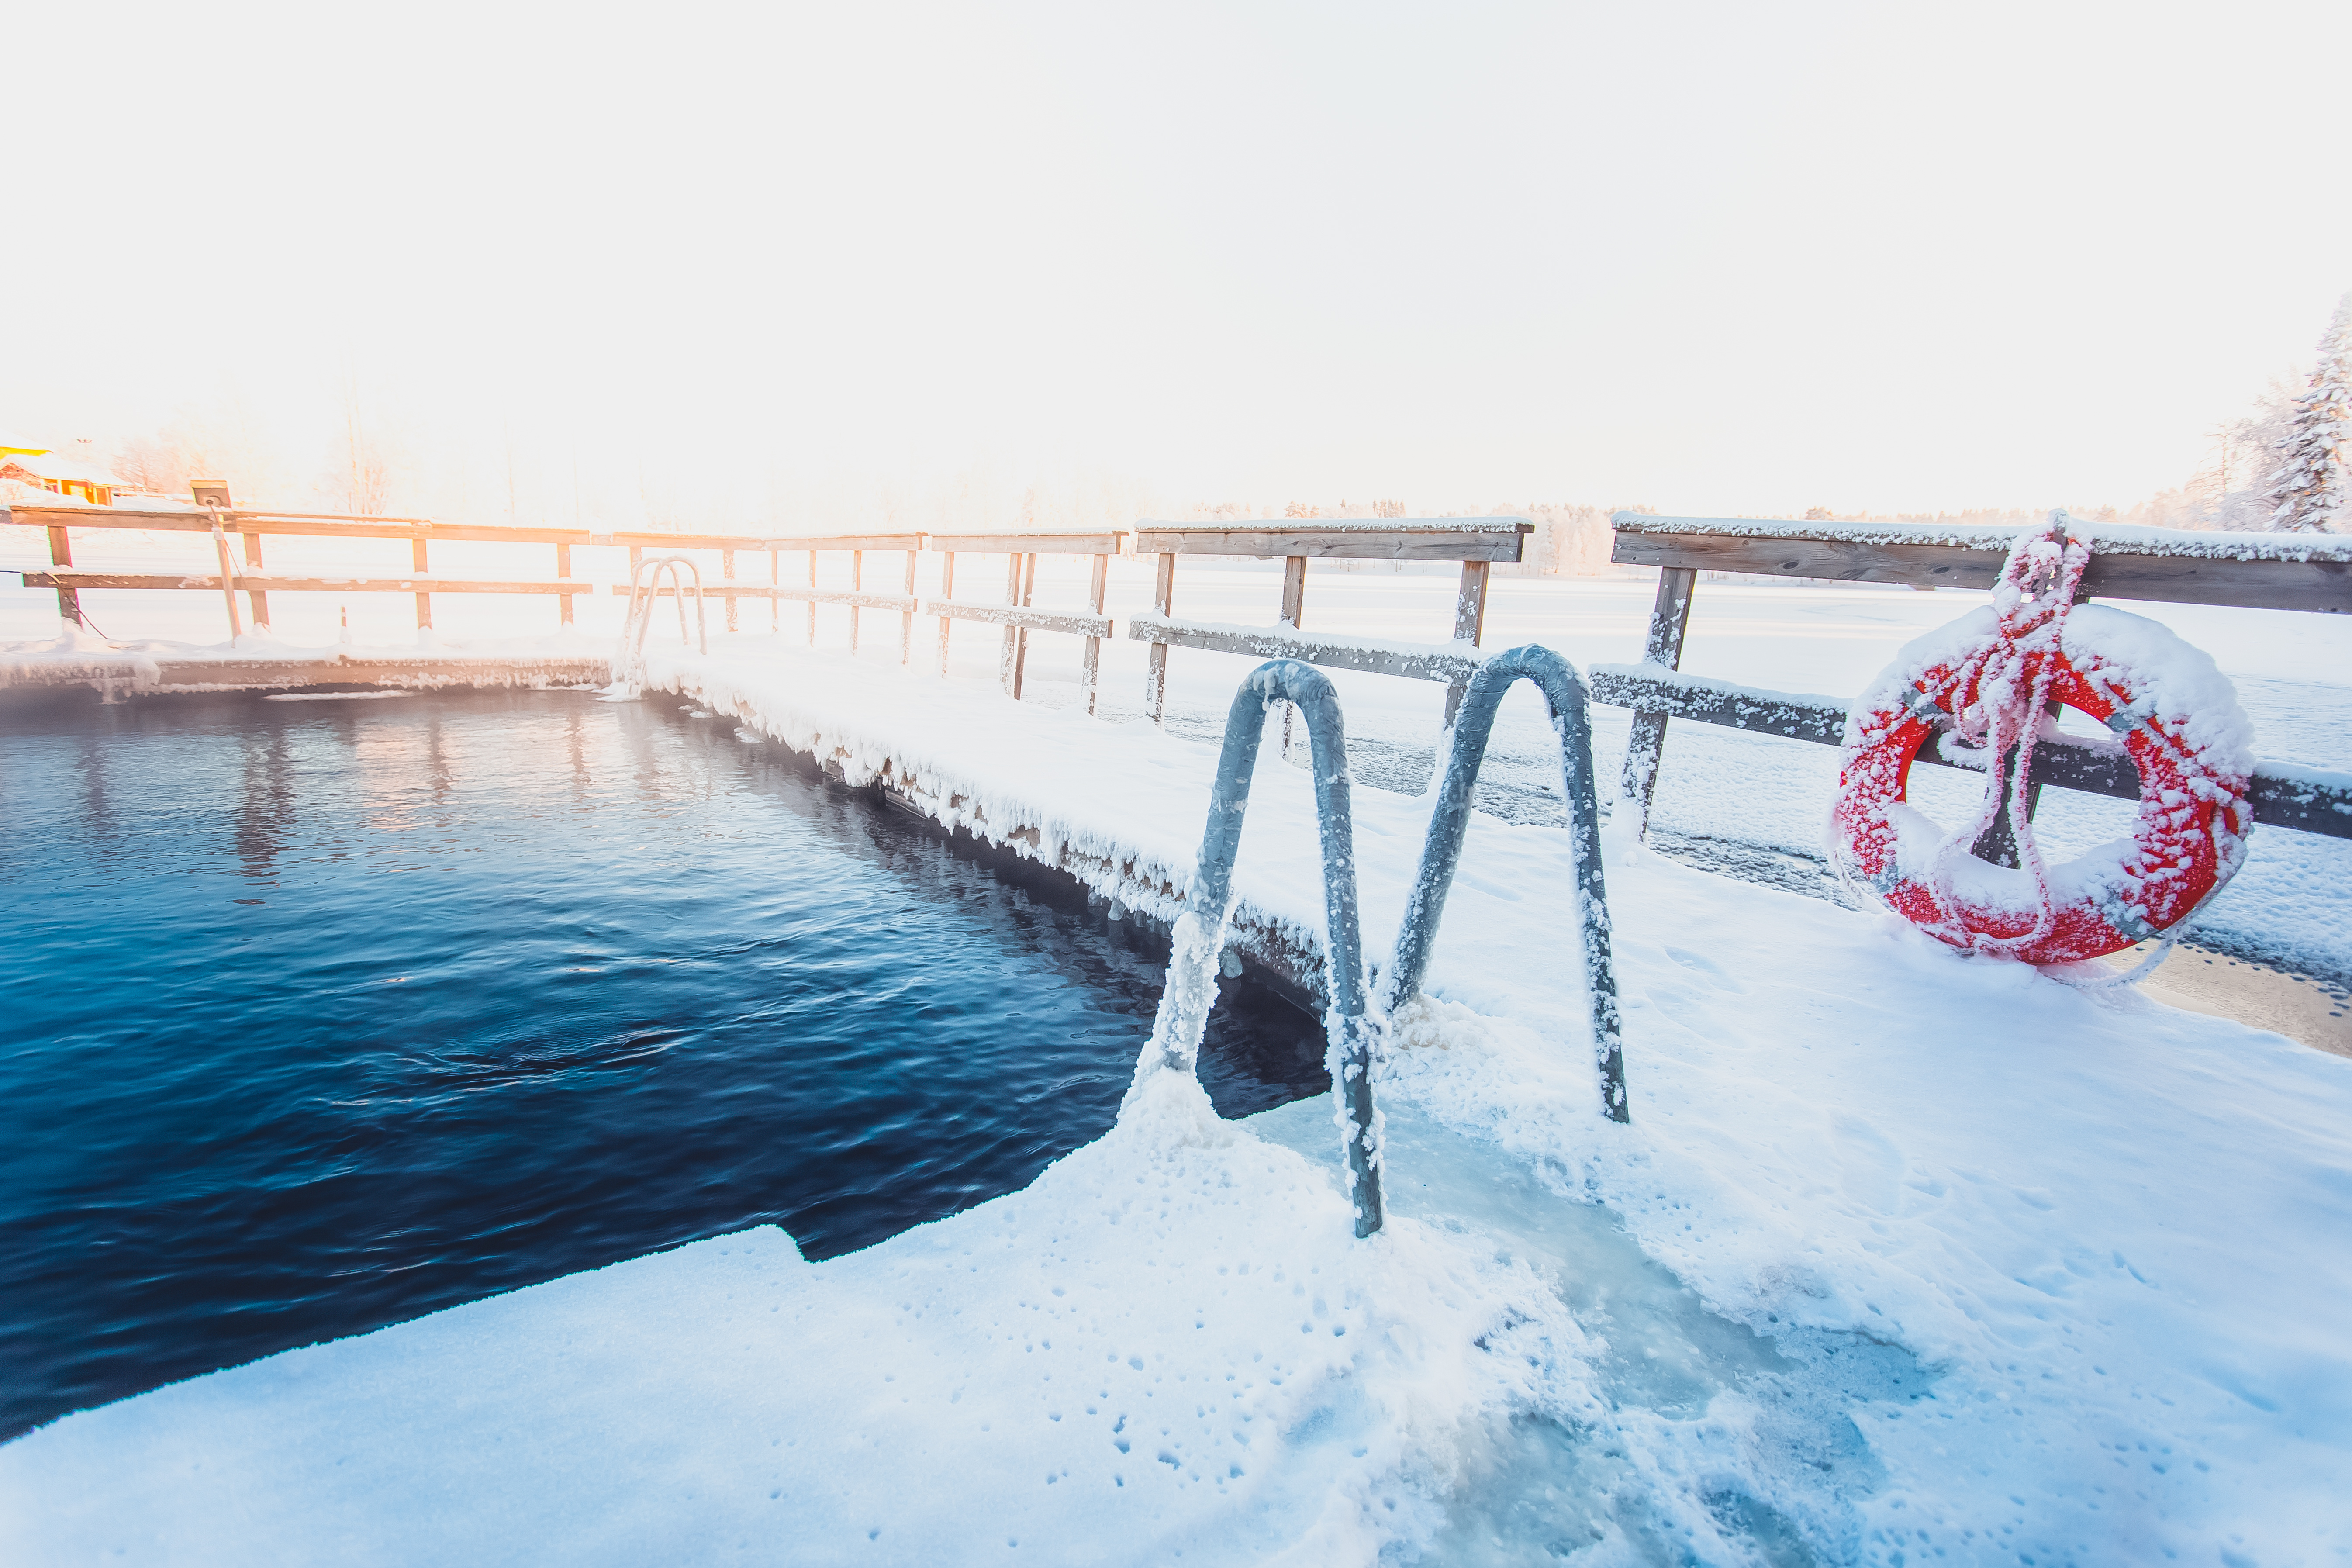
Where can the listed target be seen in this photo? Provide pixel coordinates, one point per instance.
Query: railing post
(1028, 564)
(1163, 600)
(256, 597)
(947, 591)
(775, 580)
(1469, 624)
(1004, 649)
(1646, 742)
(1294, 611)
(1087, 670)
(564, 569)
(726, 573)
(811, 603)
(906, 617)
(856, 585)
(69, 599)
(1351, 1027)
(1441, 851)
(424, 601)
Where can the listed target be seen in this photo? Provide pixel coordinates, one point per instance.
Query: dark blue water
(317, 1015)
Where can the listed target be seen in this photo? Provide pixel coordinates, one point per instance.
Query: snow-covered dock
(1962, 1261)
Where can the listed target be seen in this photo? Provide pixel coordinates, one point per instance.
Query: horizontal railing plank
(906, 602)
(1075, 623)
(2309, 800)
(1415, 661)
(1398, 539)
(1027, 543)
(70, 578)
(325, 525)
(2314, 577)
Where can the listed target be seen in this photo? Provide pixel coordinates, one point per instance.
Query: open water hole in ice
(1549, 1490)
(322, 1014)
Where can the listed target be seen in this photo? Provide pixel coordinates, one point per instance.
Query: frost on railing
(1449, 662)
(2105, 538)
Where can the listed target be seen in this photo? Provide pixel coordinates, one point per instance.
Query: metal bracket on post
(1645, 743)
(1442, 852)
(1192, 987)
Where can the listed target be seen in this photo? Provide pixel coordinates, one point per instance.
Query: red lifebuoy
(2166, 702)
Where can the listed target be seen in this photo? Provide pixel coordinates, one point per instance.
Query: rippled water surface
(317, 1015)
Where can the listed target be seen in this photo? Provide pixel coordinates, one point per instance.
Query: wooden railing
(251, 526)
(2306, 573)
(1017, 615)
(1476, 542)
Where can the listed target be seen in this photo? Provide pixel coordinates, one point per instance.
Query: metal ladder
(1354, 1021)
(645, 592)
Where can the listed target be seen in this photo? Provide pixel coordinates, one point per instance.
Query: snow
(1902, 1251)
(1497, 524)
(2105, 537)
(1425, 661)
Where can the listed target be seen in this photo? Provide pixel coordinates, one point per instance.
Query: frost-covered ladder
(1441, 852)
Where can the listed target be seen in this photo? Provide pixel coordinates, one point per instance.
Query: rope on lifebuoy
(1988, 681)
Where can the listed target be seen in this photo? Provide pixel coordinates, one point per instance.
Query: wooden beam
(337, 525)
(2321, 585)
(1645, 743)
(1029, 544)
(1294, 590)
(1020, 618)
(1468, 539)
(1090, 664)
(2308, 800)
(62, 554)
(1469, 624)
(813, 597)
(1434, 661)
(1163, 604)
(246, 583)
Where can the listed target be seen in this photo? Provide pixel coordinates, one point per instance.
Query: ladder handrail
(1441, 853)
(1352, 1028)
(644, 592)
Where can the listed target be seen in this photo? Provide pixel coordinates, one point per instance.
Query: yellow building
(77, 479)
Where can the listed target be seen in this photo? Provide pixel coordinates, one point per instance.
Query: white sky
(1712, 257)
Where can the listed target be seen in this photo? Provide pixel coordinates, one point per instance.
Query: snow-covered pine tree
(2311, 488)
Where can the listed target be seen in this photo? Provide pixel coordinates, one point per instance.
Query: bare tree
(367, 476)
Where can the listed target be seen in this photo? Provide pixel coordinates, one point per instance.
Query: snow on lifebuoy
(1986, 678)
